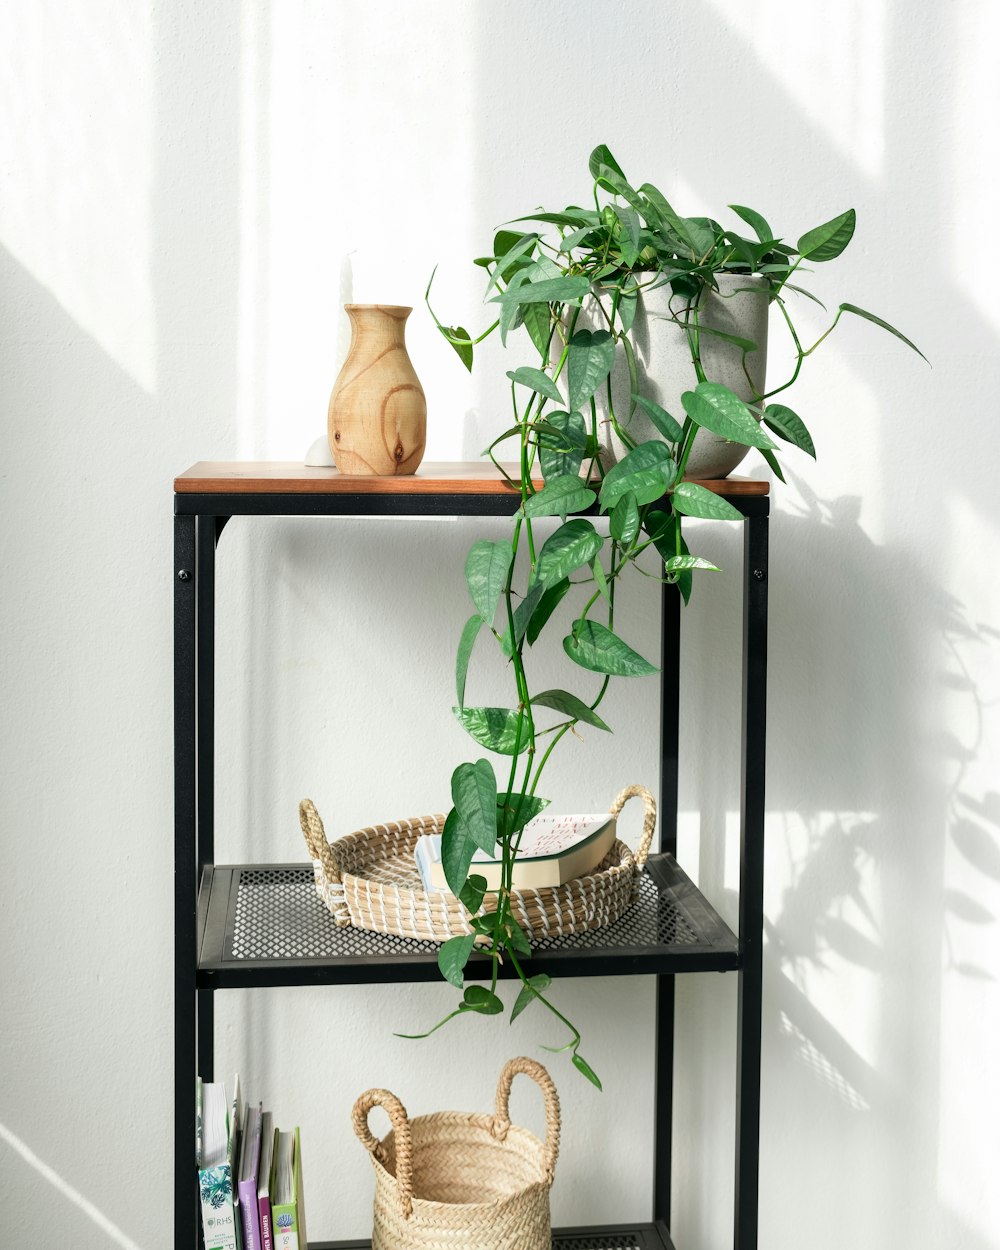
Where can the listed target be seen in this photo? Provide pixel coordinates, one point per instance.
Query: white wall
(189, 193)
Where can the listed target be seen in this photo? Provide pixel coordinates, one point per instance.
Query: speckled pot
(665, 371)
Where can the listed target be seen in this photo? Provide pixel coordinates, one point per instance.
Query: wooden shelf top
(281, 477)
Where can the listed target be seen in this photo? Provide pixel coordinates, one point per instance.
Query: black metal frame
(198, 524)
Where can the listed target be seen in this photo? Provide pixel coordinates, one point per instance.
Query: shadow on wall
(853, 957)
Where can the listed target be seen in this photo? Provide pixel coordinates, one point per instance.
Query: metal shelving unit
(248, 925)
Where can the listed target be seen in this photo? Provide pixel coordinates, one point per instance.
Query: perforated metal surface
(278, 916)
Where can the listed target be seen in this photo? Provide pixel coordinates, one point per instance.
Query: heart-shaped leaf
(827, 241)
(474, 793)
(530, 990)
(590, 356)
(515, 809)
(479, 998)
(558, 497)
(472, 893)
(562, 441)
(546, 606)
(493, 727)
(572, 545)
(468, 640)
(486, 569)
(694, 500)
(645, 472)
(662, 419)
(454, 955)
(721, 411)
(624, 520)
(595, 647)
(457, 849)
(571, 706)
(860, 312)
(535, 380)
(789, 426)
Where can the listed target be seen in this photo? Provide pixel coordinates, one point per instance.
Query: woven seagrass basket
(369, 879)
(460, 1180)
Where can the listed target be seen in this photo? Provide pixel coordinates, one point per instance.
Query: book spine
(285, 1223)
(266, 1237)
(218, 1217)
(250, 1213)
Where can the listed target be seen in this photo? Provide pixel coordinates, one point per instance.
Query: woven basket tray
(469, 1182)
(369, 879)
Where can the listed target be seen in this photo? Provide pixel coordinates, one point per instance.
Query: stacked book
(249, 1174)
(552, 850)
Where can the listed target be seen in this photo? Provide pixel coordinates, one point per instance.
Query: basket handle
(315, 836)
(649, 820)
(404, 1143)
(501, 1120)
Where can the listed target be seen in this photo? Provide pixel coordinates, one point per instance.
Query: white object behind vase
(665, 371)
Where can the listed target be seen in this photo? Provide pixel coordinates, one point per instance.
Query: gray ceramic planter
(665, 371)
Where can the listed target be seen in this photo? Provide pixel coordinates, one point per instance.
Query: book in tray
(554, 849)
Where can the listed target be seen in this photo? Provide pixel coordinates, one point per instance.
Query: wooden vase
(378, 415)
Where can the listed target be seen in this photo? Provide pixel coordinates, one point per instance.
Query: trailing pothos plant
(603, 258)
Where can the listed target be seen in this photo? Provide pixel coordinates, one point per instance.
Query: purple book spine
(251, 1216)
(266, 1240)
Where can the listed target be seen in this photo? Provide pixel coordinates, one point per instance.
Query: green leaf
(697, 237)
(486, 569)
(662, 419)
(571, 216)
(511, 310)
(601, 580)
(474, 793)
(460, 340)
(589, 359)
(680, 564)
(472, 893)
(572, 545)
(720, 410)
(569, 705)
(548, 291)
(546, 606)
(755, 221)
(457, 849)
(561, 495)
(468, 640)
(787, 425)
(517, 939)
(561, 444)
(536, 380)
(645, 472)
(454, 955)
(600, 160)
(479, 998)
(827, 241)
(515, 809)
(860, 312)
(522, 616)
(537, 321)
(664, 529)
(595, 647)
(694, 500)
(530, 990)
(773, 465)
(524, 243)
(628, 303)
(492, 727)
(583, 1066)
(624, 521)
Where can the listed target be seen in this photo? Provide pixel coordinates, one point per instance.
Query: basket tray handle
(404, 1143)
(501, 1120)
(315, 836)
(649, 819)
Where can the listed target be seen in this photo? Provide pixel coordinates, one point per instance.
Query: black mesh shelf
(263, 924)
(618, 1237)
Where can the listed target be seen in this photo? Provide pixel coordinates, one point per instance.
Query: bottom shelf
(612, 1237)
